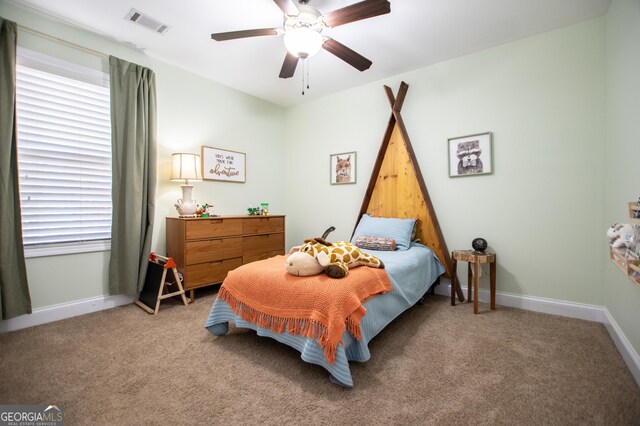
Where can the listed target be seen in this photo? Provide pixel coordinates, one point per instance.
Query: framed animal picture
(342, 168)
(470, 155)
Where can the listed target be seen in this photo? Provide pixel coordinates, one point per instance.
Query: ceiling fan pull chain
(307, 76)
(304, 65)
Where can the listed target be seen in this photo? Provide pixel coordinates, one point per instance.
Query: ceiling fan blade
(356, 12)
(351, 57)
(289, 66)
(232, 35)
(287, 7)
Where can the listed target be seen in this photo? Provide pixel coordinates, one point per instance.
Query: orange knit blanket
(316, 307)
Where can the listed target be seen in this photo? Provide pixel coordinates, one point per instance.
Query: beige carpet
(436, 364)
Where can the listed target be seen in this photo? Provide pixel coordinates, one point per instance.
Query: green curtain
(133, 141)
(14, 291)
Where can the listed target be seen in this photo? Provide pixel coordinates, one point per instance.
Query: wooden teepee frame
(396, 187)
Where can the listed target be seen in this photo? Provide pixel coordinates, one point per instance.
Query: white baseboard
(537, 304)
(63, 311)
(628, 353)
(566, 309)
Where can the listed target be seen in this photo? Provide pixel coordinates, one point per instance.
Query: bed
(411, 273)
(396, 191)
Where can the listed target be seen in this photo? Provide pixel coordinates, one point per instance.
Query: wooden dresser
(205, 249)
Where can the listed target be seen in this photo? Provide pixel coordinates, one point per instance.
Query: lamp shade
(185, 167)
(303, 42)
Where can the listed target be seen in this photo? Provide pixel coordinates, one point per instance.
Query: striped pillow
(396, 229)
(376, 243)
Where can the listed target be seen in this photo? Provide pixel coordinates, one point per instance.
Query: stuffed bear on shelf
(620, 235)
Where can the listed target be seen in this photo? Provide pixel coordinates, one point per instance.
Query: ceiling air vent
(146, 21)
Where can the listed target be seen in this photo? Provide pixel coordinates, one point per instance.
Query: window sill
(70, 248)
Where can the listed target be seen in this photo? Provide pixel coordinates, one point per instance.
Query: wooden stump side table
(475, 258)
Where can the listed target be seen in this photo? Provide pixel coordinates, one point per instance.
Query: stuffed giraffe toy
(317, 255)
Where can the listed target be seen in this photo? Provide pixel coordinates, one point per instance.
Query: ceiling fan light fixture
(303, 42)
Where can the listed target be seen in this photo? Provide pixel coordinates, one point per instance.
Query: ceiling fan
(302, 30)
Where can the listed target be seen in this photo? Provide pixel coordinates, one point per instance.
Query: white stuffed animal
(302, 264)
(620, 235)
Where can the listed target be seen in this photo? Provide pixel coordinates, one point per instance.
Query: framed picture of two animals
(342, 168)
(470, 155)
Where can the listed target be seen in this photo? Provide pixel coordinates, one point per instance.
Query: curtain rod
(62, 41)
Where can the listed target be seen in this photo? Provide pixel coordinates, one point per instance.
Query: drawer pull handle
(215, 221)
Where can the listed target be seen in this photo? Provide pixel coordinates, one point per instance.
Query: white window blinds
(64, 152)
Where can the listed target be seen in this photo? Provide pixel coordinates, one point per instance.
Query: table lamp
(186, 167)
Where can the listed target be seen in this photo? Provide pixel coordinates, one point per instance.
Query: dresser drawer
(262, 225)
(260, 256)
(212, 250)
(262, 246)
(209, 272)
(214, 227)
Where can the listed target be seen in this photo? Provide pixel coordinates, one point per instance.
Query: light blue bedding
(411, 273)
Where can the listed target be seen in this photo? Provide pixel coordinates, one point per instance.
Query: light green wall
(622, 297)
(544, 100)
(192, 111)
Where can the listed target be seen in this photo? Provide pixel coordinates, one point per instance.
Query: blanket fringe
(302, 326)
(353, 326)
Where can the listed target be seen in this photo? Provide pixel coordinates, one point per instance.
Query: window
(64, 155)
